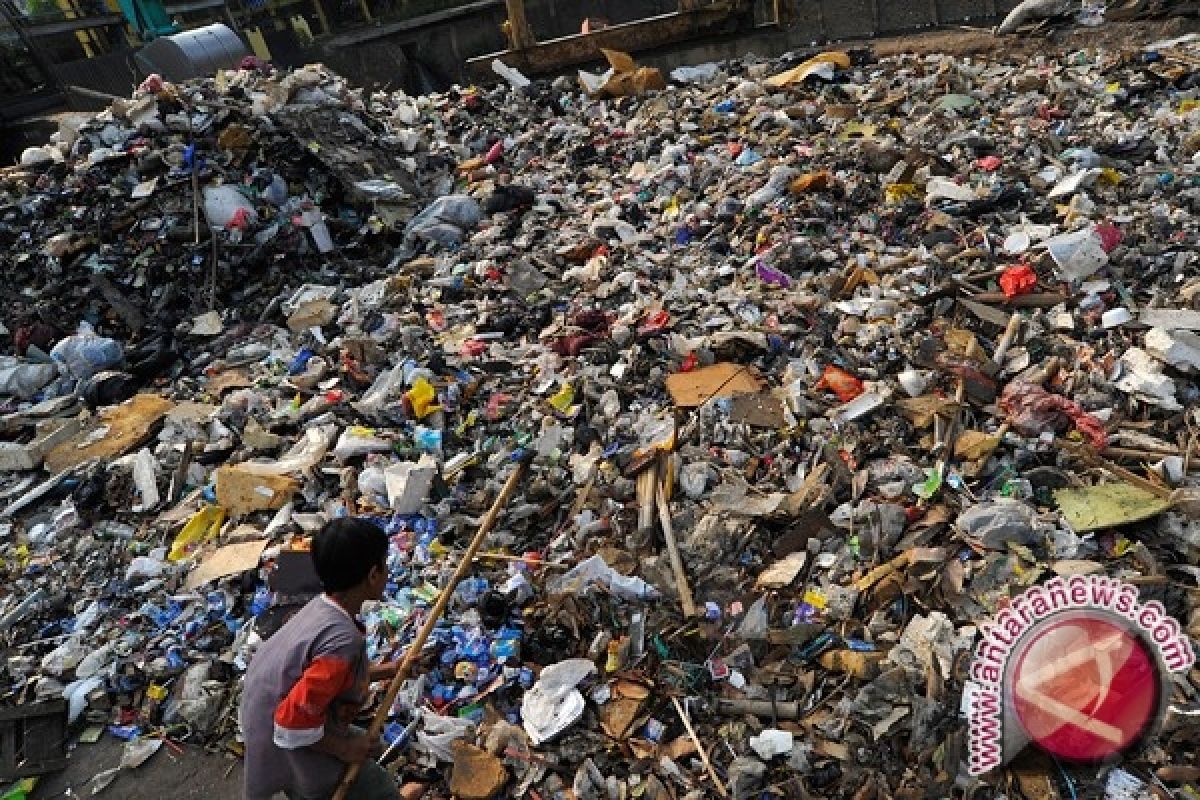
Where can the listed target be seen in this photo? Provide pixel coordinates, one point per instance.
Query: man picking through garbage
(308, 681)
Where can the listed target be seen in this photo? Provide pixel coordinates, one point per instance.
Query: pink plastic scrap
(1034, 411)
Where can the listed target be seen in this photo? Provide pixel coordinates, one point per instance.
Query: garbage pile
(819, 361)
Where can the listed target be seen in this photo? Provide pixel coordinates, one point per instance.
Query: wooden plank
(56, 27)
(33, 739)
(630, 37)
(520, 35)
(33, 710)
(126, 310)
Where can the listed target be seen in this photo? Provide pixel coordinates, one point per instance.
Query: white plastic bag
(554, 702)
(23, 379)
(595, 571)
(222, 204)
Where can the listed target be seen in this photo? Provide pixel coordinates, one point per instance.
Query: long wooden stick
(435, 613)
(687, 723)
(681, 583)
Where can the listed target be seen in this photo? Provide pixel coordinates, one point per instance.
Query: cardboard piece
(1108, 506)
(477, 774)
(624, 78)
(114, 432)
(408, 484)
(230, 379)
(313, 314)
(618, 715)
(241, 491)
(692, 389)
(782, 573)
(232, 559)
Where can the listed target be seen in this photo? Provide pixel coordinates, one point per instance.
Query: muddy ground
(190, 775)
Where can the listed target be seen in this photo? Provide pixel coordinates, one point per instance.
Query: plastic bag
(145, 471)
(76, 694)
(999, 522)
(203, 526)
(1080, 254)
(22, 379)
(387, 387)
(595, 571)
(145, 567)
(225, 207)
(445, 220)
(841, 383)
(1034, 411)
(755, 624)
(437, 733)
(84, 353)
(95, 662)
(305, 454)
(1018, 280)
(357, 441)
(554, 702)
(423, 398)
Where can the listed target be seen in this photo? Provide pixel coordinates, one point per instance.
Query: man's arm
(383, 671)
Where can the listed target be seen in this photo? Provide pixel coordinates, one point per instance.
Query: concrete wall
(390, 56)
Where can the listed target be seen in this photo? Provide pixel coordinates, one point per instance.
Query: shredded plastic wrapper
(1034, 411)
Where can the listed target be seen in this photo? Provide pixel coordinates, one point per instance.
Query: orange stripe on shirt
(307, 703)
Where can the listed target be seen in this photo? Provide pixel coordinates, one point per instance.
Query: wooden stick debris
(1092, 457)
(681, 582)
(687, 723)
(647, 480)
(1010, 335)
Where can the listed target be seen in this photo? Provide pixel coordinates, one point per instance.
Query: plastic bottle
(261, 601)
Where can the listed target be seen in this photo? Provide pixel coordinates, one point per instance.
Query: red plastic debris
(655, 322)
(840, 382)
(1018, 280)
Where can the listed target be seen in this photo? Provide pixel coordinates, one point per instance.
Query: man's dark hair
(344, 551)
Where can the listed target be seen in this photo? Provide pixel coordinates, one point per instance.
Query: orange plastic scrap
(840, 382)
(811, 182)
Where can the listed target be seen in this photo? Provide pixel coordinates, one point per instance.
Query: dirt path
(191, 775)
(980, 41)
